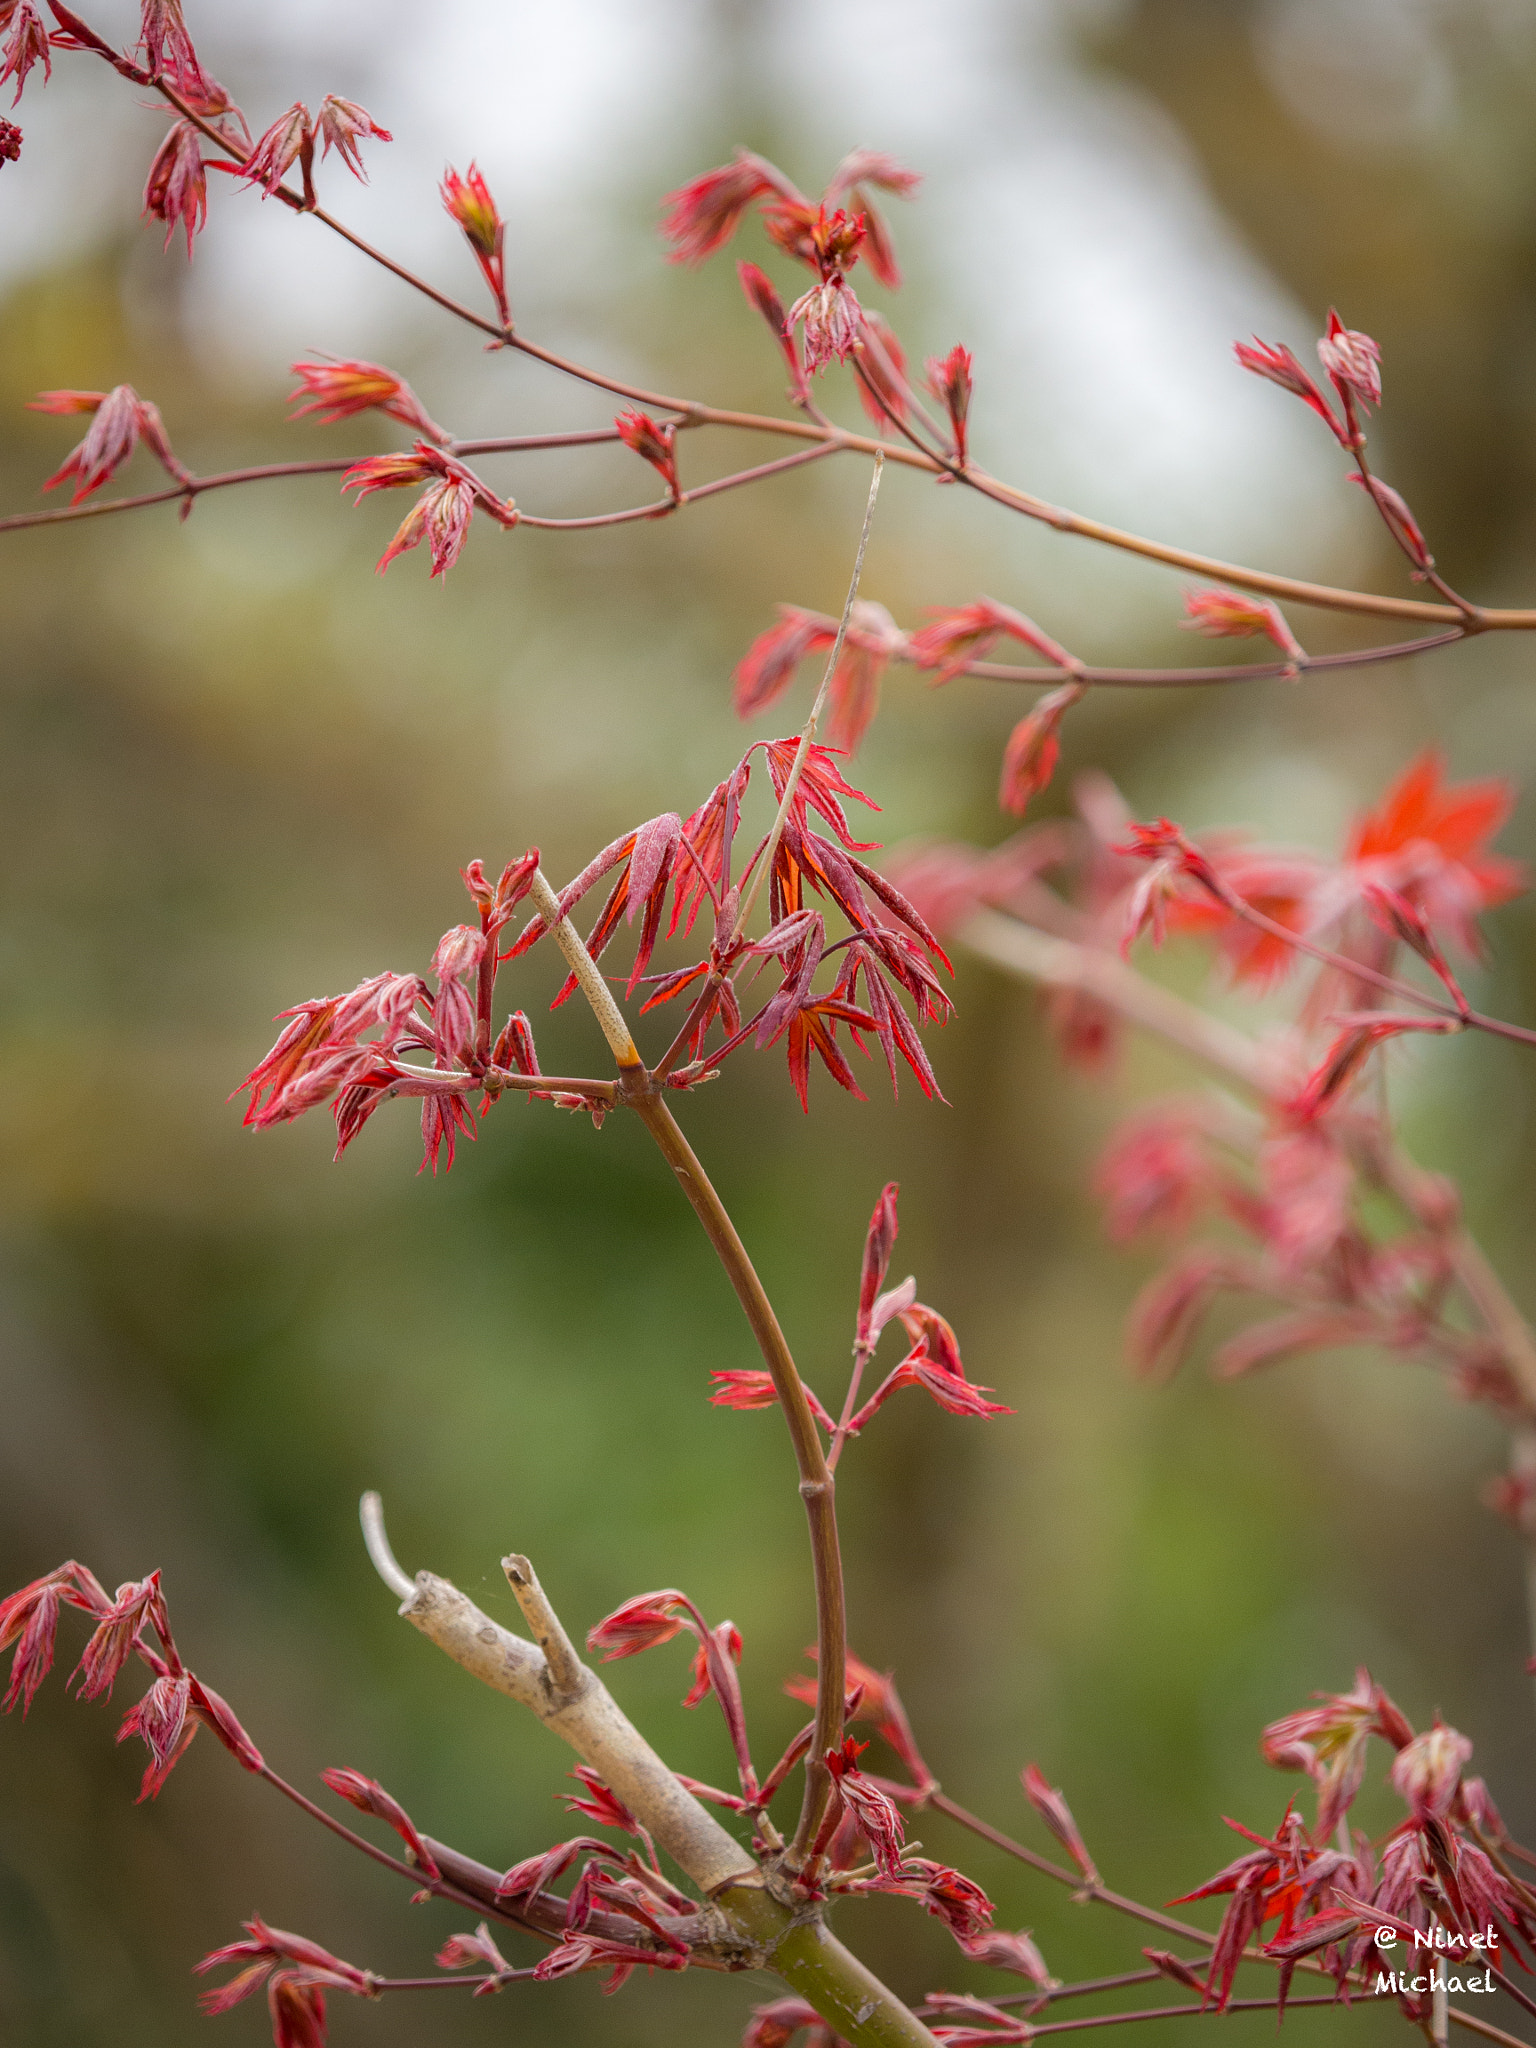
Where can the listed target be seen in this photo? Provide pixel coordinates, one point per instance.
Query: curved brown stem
(817, 1487)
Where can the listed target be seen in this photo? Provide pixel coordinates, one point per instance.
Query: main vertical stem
(817, 1486)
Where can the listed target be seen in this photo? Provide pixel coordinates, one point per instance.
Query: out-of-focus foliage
(238, 770)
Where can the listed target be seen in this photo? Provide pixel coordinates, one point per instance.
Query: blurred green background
(239, 770)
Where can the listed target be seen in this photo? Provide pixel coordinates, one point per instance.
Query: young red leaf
(467, 200)
(949, 379)
(1034, 747)
(1053, 1809)
(876, 1815)
(640, 1624)
(369, 1796)
(762, 296)
(1229, 615)
(1279, 364)
(1352, 360)
(702, 215)
(657, 444)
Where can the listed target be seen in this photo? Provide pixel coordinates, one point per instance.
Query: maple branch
(1356, 970)
(1183, 2012)
(496, 1977)
(818, 1488)
(689, 411)
(639, 1089)
(762, 1931)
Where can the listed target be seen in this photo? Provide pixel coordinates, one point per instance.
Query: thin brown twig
(496, 1977)
(195, 486)
(1194, 674)
(439, 1887)
(1356, 970)
(1179, 2012)
(1087, 1987)
(817, 1486)
(1099, 1893)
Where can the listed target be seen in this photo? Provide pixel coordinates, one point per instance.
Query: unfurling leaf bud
(1352, 360)
(1034, 747)
(655, 443)
(469, 202)
(1427, 1770)
(342, 125)
(949, 379)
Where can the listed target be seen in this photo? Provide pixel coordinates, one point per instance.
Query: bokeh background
(239, 769)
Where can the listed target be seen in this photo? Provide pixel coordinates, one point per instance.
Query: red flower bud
(600, 1804)
(774, 2025)
(882, 365)
(463, 1951)
(640, 1624)
(1017, 1952)
(831, 316)
(122, 420)
(879, 1243)
(134, 1605)
(440, 517)
(368, 1796)
(1397, 517)
(702, 216)
(768, 667)
(957, 638)
(761, 294)
(1278, 363)
(162, 1721)
(164, 40)
(874, 1811)
(30, 1620)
